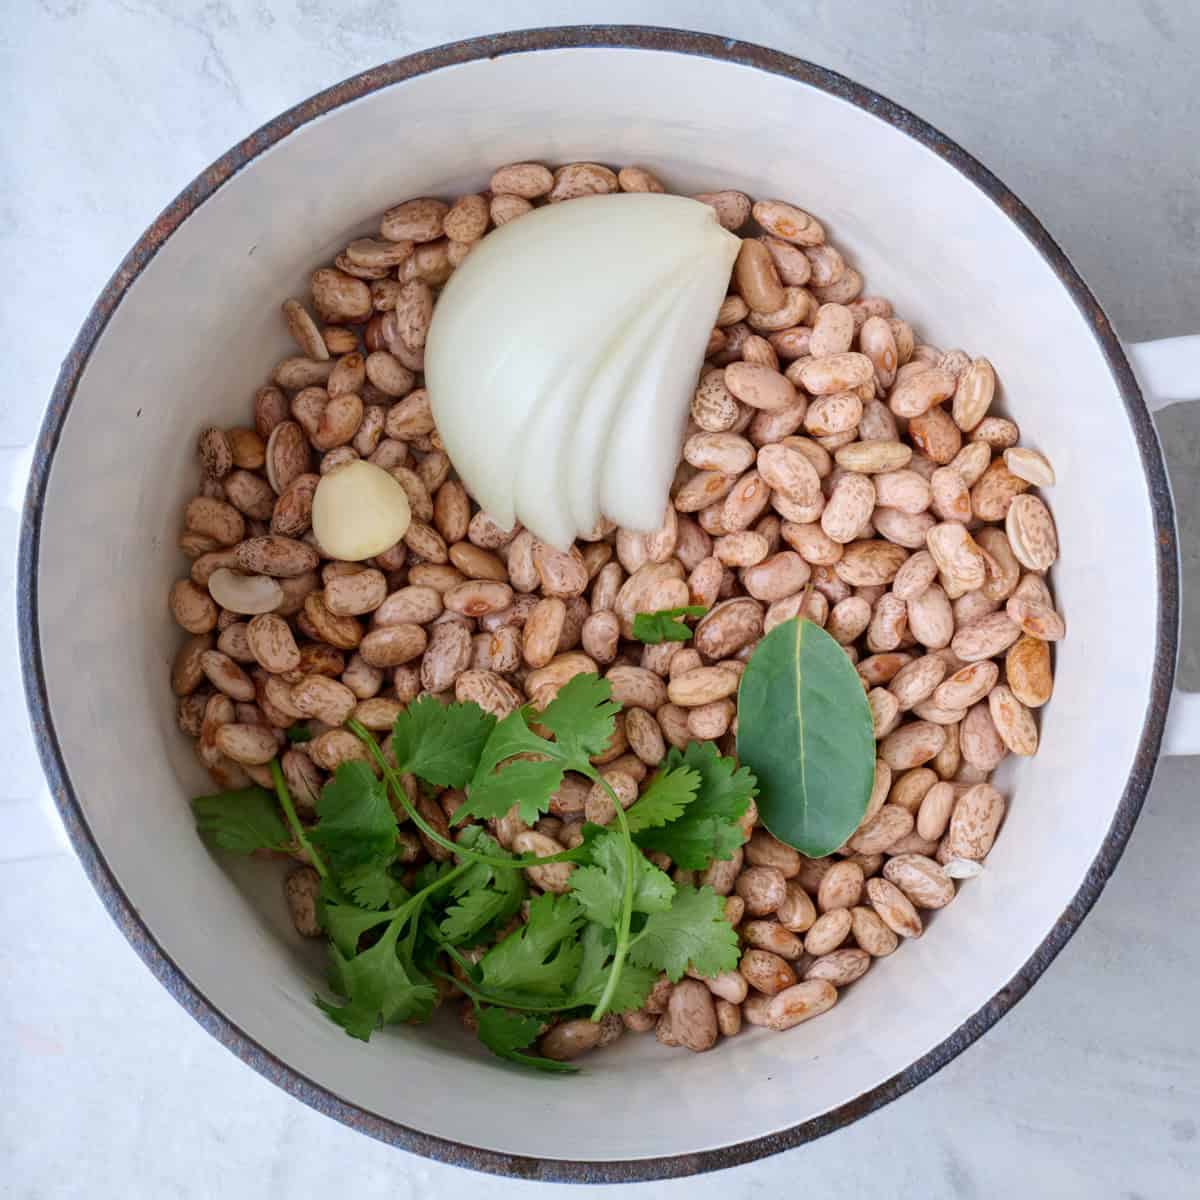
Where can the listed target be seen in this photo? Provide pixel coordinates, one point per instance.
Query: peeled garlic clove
(245, 594)
(359, 511)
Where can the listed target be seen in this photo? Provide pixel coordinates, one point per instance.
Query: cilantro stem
(465, 963)
(414, 927)
(410, 910)
(462, 960)
(404, 912)
(514, 1002)
(392, 777)
(626, 917)
(289, 811)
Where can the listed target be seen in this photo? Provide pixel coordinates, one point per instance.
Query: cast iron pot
(190, 325)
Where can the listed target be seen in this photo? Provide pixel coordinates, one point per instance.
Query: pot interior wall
(200, 329)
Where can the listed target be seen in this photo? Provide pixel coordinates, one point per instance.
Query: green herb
(446, 745)
(665, 624)
(509, 765)
(346, 922)
(381, 984)
(506, 1034)
(600, 887)
(519, 767)
(242, 821)
(440, 743)
(598, 948)
(617, 881)
(484, 896)
(707, 828)
(356, 826)
(378, 986)
(480, 910)
(693, 931)
(542, 958)
(581, 717)
(372, 885)
(634, 984)
(394, 780)
(665, 798)
(298, 733)
(804, 729)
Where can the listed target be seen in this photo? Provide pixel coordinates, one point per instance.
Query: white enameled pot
(190, 325)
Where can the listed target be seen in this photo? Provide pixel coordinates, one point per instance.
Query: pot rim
(123, 912)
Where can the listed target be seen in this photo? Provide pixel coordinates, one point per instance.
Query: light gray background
(1091, 1087)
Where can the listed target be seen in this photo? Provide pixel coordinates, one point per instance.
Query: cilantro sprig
(411, 764)
(519, 766)
(707, 827)
(665, 624)
(383, 983)
(597, 948)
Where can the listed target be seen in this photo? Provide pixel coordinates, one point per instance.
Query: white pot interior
(200, 329)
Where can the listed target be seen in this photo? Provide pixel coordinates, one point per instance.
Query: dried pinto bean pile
(835, 468)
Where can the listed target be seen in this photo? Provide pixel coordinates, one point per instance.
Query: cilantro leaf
(484, 895)
(509, 737)
(541, 958)
(356, 825)
(372, 885)
(241, 821)
(694, 931)
(707, 829)
(506, 1034)
(345, 923)
(582, 718)
(598, 943)
(665, 798)
(440, 743)
(475, 912)
(430, 873)
(634, 985)
(522, 782)
(478, 874)
(299, 733)
(664, 625)
(600, 887)
(378, 988)
(632, 988)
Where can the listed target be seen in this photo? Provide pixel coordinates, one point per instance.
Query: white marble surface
(1091, 1087)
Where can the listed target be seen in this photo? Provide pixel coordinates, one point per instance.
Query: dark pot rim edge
(125, 914)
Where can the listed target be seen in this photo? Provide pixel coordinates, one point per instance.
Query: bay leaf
(804, 729)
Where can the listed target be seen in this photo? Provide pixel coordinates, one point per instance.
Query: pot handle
(1169, 372)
